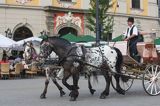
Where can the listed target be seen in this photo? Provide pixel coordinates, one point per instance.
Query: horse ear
(47, 43)
(24, 43)
(45, 38)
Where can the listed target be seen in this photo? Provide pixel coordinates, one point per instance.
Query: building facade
(25, 18)
(158, 8)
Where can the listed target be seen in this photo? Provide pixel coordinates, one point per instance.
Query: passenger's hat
(130, 19)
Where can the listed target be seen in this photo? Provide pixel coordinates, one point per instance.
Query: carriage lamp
(8, 33)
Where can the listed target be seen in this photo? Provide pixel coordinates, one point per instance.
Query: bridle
(30, 53)
(46, 49)
(68, 54)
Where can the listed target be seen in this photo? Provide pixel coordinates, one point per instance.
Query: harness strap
(66, 56)
(103, 57)
(70, 55)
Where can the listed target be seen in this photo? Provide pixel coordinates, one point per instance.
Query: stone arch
(20, 25)
(21, 32)
(67, 30)
(69, 25)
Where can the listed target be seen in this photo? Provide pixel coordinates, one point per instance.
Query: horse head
(29, 51)
(54, 44)
(45, 49)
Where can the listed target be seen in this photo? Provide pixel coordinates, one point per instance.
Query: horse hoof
(121, 92)
(70, 94)
(92, 91)
(43, 96)
(102, 96)
(62, 93)
(73, 99)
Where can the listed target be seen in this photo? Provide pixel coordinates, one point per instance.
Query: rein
(67, 55)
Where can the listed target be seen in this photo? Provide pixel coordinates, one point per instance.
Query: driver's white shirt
(135, 31)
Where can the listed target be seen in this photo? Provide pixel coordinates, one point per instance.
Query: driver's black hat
(130, 19)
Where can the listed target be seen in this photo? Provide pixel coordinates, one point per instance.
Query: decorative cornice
(60, 9)
(136, 16)
(85, 11)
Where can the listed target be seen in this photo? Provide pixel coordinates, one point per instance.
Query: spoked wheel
(151, 80)
(125, 84)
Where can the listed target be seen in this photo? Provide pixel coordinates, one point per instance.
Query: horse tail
(119, 63)
(95, 78)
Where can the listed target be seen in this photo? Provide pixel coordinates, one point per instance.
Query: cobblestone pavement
(26, 92)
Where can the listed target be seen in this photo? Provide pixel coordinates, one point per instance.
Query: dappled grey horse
(51, 72)
(105, 57)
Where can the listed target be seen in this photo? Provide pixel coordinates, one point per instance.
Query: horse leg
(118, 87)
(43, 95)
(90, 86)
(64, 80)
(74, 93)
(107, 79)
(59, 87)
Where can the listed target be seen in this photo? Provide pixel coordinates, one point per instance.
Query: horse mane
(61, 41)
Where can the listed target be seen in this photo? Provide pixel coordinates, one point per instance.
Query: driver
(131, 35)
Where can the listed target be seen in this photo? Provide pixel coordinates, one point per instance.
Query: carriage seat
(150, 53)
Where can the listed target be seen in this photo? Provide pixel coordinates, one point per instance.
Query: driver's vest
(138, 38)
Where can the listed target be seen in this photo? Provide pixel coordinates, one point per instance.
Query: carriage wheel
(151, 80)
(124, 85)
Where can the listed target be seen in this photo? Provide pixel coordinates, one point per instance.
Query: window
(136, 4)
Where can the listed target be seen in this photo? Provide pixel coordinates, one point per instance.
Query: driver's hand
(126, 39)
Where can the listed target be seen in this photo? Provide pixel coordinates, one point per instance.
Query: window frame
(135, 6)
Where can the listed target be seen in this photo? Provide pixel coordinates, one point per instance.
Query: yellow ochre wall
(114, 8)
(32, 3)
(144, 9)
(77, 4)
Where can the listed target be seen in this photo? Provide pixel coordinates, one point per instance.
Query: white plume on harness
(79, 50)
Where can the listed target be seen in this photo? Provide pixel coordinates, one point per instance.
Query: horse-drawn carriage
(147, 70)
(108, 61)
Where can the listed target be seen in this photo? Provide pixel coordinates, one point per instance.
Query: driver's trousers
(133, 47)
